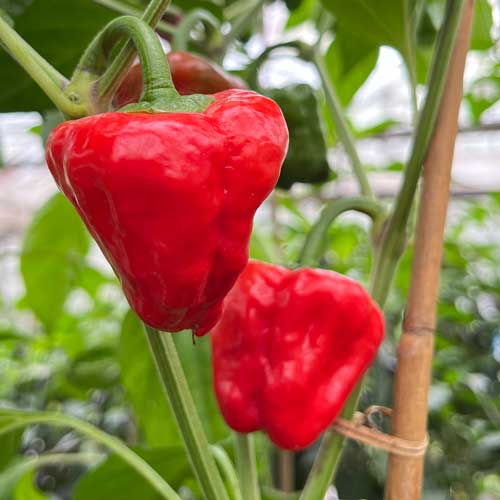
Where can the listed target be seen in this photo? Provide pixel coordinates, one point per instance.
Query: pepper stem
(314, 246)
(159, 93)
(156, 73)
(117, 70)
(176, 387)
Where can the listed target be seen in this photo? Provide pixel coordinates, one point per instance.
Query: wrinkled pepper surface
(289, 348)
(191, 74)
(306, 160)
(170, 197)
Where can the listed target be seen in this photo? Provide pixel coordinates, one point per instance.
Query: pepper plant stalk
(227, 468)
(415, 350)
(247, 466)
(314, 246)
(176, 387)
(393, 242)
(393, 237)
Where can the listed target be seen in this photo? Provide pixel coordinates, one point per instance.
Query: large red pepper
(170, 197)
(289, 348)
(191, 74)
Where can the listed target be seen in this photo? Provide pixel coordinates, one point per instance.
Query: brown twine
(363, 429)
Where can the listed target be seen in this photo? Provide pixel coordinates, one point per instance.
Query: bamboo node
(363, 429)
(419, 331)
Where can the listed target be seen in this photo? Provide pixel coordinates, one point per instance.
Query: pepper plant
(168, 184)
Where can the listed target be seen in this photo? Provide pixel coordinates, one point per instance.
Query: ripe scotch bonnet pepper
(169, 194)
(191, 74)
(289, 348)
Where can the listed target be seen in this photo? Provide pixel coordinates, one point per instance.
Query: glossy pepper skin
(289, 348)
(306, 160)
(191, 74)
(170, 198)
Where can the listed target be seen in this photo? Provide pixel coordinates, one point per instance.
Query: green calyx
(159, 94)
(170, 102)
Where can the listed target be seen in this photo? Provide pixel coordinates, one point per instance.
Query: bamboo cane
(413, 374)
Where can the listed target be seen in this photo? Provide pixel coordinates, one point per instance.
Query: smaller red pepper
(191, 74)
(289, 348)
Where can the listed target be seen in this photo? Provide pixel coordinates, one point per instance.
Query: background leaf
(140, 379)
(482, 25)
(114, 480)
(59, 30)
(386, 22)
(350, 62)
(52, 257)
(147, 397)
(26, 489)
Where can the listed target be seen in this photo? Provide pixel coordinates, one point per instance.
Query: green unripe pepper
(306, 160)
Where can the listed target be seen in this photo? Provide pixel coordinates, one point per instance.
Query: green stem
(21, 420)
(117, 70)
(343, 130)
(157, 78)
(247, 467)
(327, 460)
(314, 246)
(393, 243)
(47, 77)
(181, 37)
(182, 404)
(126, 9)
(227, 468)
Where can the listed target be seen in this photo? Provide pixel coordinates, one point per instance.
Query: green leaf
(12, 420)
(59, 30)
(377, 128)
(140, 379)
(386, 22)
(483, 94)
(52, 258)
(9, 444)
(26, 489)
(113, 480)
(147, 397)
(306, 11)
(14, 7)
(481, 27)
(350, 61)
(10, 477)
(262, 247)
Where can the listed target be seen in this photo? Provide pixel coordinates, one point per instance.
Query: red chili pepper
(289, 348)
(170, 198)
(191, 74)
